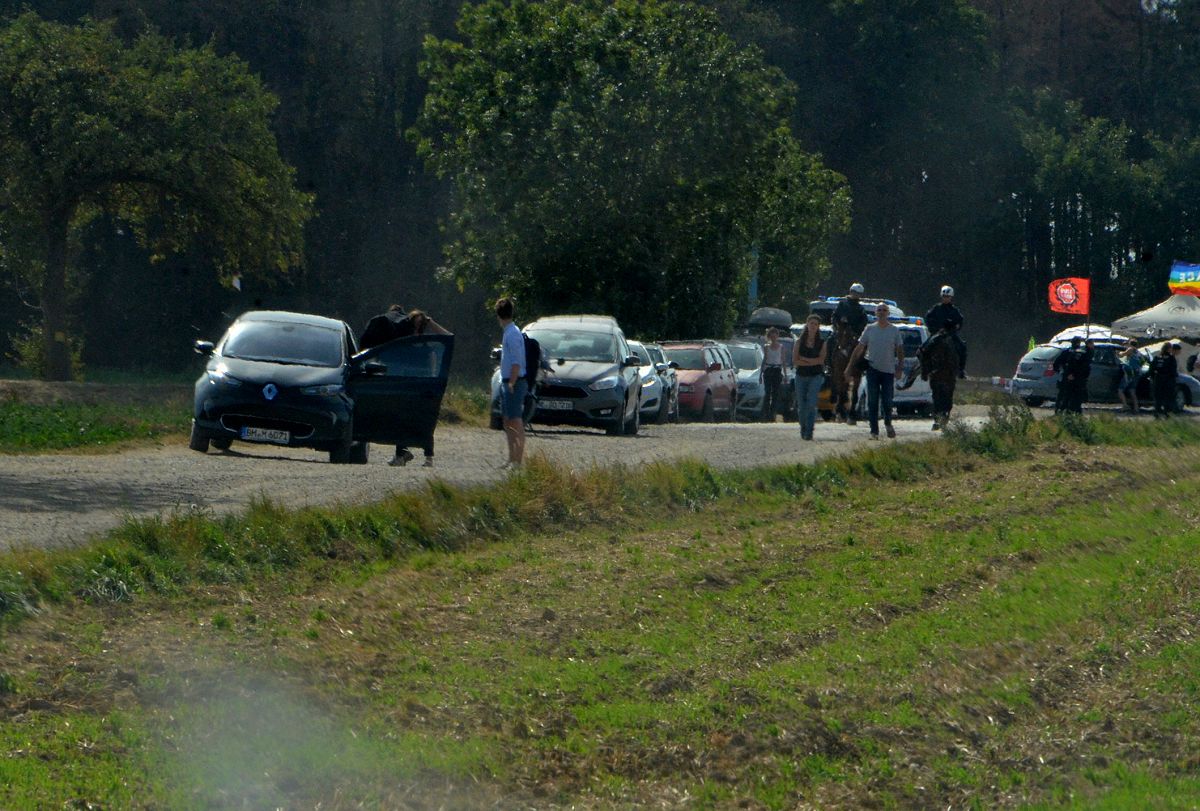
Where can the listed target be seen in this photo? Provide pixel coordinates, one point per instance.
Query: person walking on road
(808, 358)
(772, 373)
(884, 349)
(1131, 373)
(851, 311)
(513, 385)
(946, 315)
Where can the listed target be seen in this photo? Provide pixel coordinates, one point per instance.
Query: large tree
(622, 156)
(174, 142)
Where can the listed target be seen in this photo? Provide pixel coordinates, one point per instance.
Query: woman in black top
(808, 356)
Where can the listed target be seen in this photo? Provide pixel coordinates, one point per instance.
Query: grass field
(1004, 619)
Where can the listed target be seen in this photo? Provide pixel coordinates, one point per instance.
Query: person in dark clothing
(947, 315)
(851, 311)
(1074, 366)
(1164, 371)
(388, 326)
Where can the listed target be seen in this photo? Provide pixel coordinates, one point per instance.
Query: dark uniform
(948, 316)
(386, 327)
(1164, 370)
(1075, 367)
(851, 311)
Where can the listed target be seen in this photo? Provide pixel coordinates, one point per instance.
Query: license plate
(556, 405)
(251, 434)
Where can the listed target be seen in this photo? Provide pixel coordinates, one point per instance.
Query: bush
(29, 351)
(1006, 434)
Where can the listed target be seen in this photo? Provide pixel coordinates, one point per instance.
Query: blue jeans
(879, 387)
(807, 389)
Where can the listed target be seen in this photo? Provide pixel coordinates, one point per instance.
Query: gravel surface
(61, 499)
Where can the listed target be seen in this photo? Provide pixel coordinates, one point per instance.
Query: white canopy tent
(1178, 316)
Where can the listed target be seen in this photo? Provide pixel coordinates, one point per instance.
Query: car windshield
(570, 345)
(642, 355)
(746, 357)
(284, 342)
(687, 358)
(912, 341)
(656, 354)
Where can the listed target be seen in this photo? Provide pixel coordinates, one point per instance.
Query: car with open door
(297, 380)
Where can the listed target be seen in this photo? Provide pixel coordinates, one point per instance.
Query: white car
(752, 391)
(917, 398)
(659, 401)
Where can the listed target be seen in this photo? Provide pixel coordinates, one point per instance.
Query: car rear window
(1044, 353)
(687, 358)
(912, 341)
(642, 355)
(283, 342)
(745, 357)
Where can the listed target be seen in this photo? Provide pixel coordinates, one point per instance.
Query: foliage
(175, 142)
(29, 352)
(621, 157)
(26, 428)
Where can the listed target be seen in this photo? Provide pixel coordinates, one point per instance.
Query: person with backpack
(388, 326)
(514, 385)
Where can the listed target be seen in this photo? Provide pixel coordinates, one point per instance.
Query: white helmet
(947, 290)
(857, 288)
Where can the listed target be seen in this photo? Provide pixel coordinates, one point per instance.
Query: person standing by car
(388, 326)
(1164, 370)
(947, 315)
(772, 374)
(850, 310)
(808, 358)
(1131, 373)
(513, 385)
(884, 348)
(1072, 364)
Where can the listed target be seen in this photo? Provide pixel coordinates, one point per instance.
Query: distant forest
(993, 145)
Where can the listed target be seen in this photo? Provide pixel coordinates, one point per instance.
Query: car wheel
(1034, 402)
(707, 414)
(360, 453)
(221, 443)
(339, 454)
(634, 423)
(198, 440)
(664, 410)
(495, 421)
(617, 426)
(1181, 398)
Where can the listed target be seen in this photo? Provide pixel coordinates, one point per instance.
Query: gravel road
(59, 499)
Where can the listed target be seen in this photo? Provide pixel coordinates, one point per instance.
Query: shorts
(512, 403)
(1128, 385)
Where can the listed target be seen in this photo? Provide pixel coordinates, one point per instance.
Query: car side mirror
(203, 348)
(374, 367)
(661, 368)
(632, 360)
(714, 367)
(673, 365)
(496, 354)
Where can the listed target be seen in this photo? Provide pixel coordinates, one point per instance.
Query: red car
(707, 378)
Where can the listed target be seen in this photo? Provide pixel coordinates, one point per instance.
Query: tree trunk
(54, 297)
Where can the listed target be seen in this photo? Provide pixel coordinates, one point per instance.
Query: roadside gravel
(57, 500)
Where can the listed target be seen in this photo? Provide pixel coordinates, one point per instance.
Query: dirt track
(64, 499)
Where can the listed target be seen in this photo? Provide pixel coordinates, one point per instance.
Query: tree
(174, 142)
(625, 157)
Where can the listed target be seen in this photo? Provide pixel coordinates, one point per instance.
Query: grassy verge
(1000, 619)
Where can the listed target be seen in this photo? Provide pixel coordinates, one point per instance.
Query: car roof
(285, 317)
(586, 323)
(701, 344)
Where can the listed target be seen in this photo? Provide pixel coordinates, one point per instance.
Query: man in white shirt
(513, 386)
(884, 348)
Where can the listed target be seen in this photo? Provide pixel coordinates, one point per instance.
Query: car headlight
(605, 383)
(328, 390)
(220, 376)
(649, 381)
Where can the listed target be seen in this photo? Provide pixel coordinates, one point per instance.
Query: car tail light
(1049, 372)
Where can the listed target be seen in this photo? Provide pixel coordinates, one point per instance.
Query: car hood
(281, 374)
(749, 376)
(581, 371)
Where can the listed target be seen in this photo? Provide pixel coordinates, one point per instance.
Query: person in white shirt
(513, 386)
(772, 373)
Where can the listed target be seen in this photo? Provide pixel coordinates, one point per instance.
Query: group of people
(875, 349)
(1074, 367)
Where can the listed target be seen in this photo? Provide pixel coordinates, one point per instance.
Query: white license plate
(251, 434)
(556, 405)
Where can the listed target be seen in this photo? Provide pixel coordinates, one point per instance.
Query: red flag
(1072, 295)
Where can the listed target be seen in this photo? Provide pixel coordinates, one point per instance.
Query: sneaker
(891, 432)
(428, 462)
(401, 459)
(873, 436)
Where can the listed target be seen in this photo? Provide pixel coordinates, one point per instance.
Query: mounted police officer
(946, 316)
(850, 310)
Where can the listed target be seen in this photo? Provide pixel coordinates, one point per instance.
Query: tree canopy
(175, 142)
(624, 157)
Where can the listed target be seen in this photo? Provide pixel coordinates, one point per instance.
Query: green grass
(917, 626)
(26, 428)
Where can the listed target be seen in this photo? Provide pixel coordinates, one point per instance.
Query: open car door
(397, 389)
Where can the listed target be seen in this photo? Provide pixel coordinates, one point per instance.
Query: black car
(298, 380)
